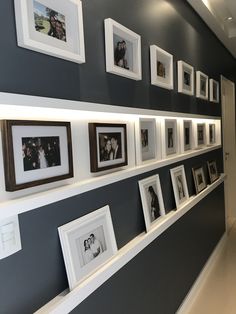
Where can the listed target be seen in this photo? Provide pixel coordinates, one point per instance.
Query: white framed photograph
(201, 85)
(152, 200)
(199, 179)
(201, 134)
(212, 170)
(161, 67)
(123, 50)
(146, 140)
(51, 27)
(185, 78)
(214, 91)
(179, 184)
(170, 137)
(187, 134)
(212, 133)
(87, 243)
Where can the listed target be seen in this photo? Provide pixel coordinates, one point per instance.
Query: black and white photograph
(200, 134)
(201, 85)
(36, 152)
(214, 91)
(108, 146)
(144, 140)
(152, 200)
(212, 170)
(170, 136)
(179, 184)
(212, 135)
(87, 243)
(187, 129)
(185, 78)
(123, 50)
(161, 69)
(199, 178)
(49, 22)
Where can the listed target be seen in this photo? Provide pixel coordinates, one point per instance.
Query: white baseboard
(203, 276)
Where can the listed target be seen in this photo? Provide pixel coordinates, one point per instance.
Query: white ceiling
(215, 13)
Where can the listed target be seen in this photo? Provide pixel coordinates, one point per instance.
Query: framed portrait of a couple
(51, 27)
(201, 85)
(179, 184)
(152, 200)
(87, 243)
(108, 146)
(199, 178)
(214, 91)
(123, 50)
(185, 78)
(212, 170)
(36, 152)
(161, 67)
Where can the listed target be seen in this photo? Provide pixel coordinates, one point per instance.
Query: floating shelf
(67, 301)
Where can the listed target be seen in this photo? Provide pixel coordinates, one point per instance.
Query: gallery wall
(167, 268)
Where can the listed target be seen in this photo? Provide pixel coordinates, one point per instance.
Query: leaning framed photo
(161, 67)
(147, 144)
(214, 91)
(179, 184)
(87, 243)
(36, 152)
(212, 134)
(199, 179)
(152, 200)
(123, 50)
(201, 85)
(212, 170)
(170, 138)
(187, 136)
(108, 146)
(201, 134)
(51, 27)
(185, 78)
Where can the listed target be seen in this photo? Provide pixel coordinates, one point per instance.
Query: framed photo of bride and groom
(36, 152)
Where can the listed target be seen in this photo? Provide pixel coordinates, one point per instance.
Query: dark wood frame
(93, 146)
(195, 180)
(8, 154)
(209, 172)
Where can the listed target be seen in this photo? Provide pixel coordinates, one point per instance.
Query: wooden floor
(218, 295)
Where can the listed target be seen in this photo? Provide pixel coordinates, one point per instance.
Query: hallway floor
(218, 295)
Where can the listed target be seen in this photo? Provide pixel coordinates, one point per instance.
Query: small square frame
(199, 179)
(185, 78)
(82, 257)
(214, 91)
(29, 33)
(152, 200)
(161, 63)
(102, 136)
(202, 85)
(179, 184)
(212, 170)
(127, 63)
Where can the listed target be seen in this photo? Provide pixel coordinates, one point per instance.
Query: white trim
(192, 295)
(67, 301)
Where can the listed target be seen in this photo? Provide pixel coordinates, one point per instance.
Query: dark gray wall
(159, 277)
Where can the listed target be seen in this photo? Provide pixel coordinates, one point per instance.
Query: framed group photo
(152, 200)
(36, 152)
(171, 142)
(108, 146)
(179, 184)
(185, 78)
(161, 67)
(201, 85)
(199, 179)
(212, 170)
(214, 91)
(51, 27)
(123, 50)
(87, 243)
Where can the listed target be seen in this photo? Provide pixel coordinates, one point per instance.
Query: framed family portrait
(212, 134)
(36, 152)
(214, 91)
(161, 67)
(146, 140)
(185, 78)
(199, 179)
(201, 85)
(123, 50)
(152, 200)
(179, 184)
(201, 134)
(108, 146)
(51, 27)
(212, 170)
(87, 243)
(187, 136)
(171, 143)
